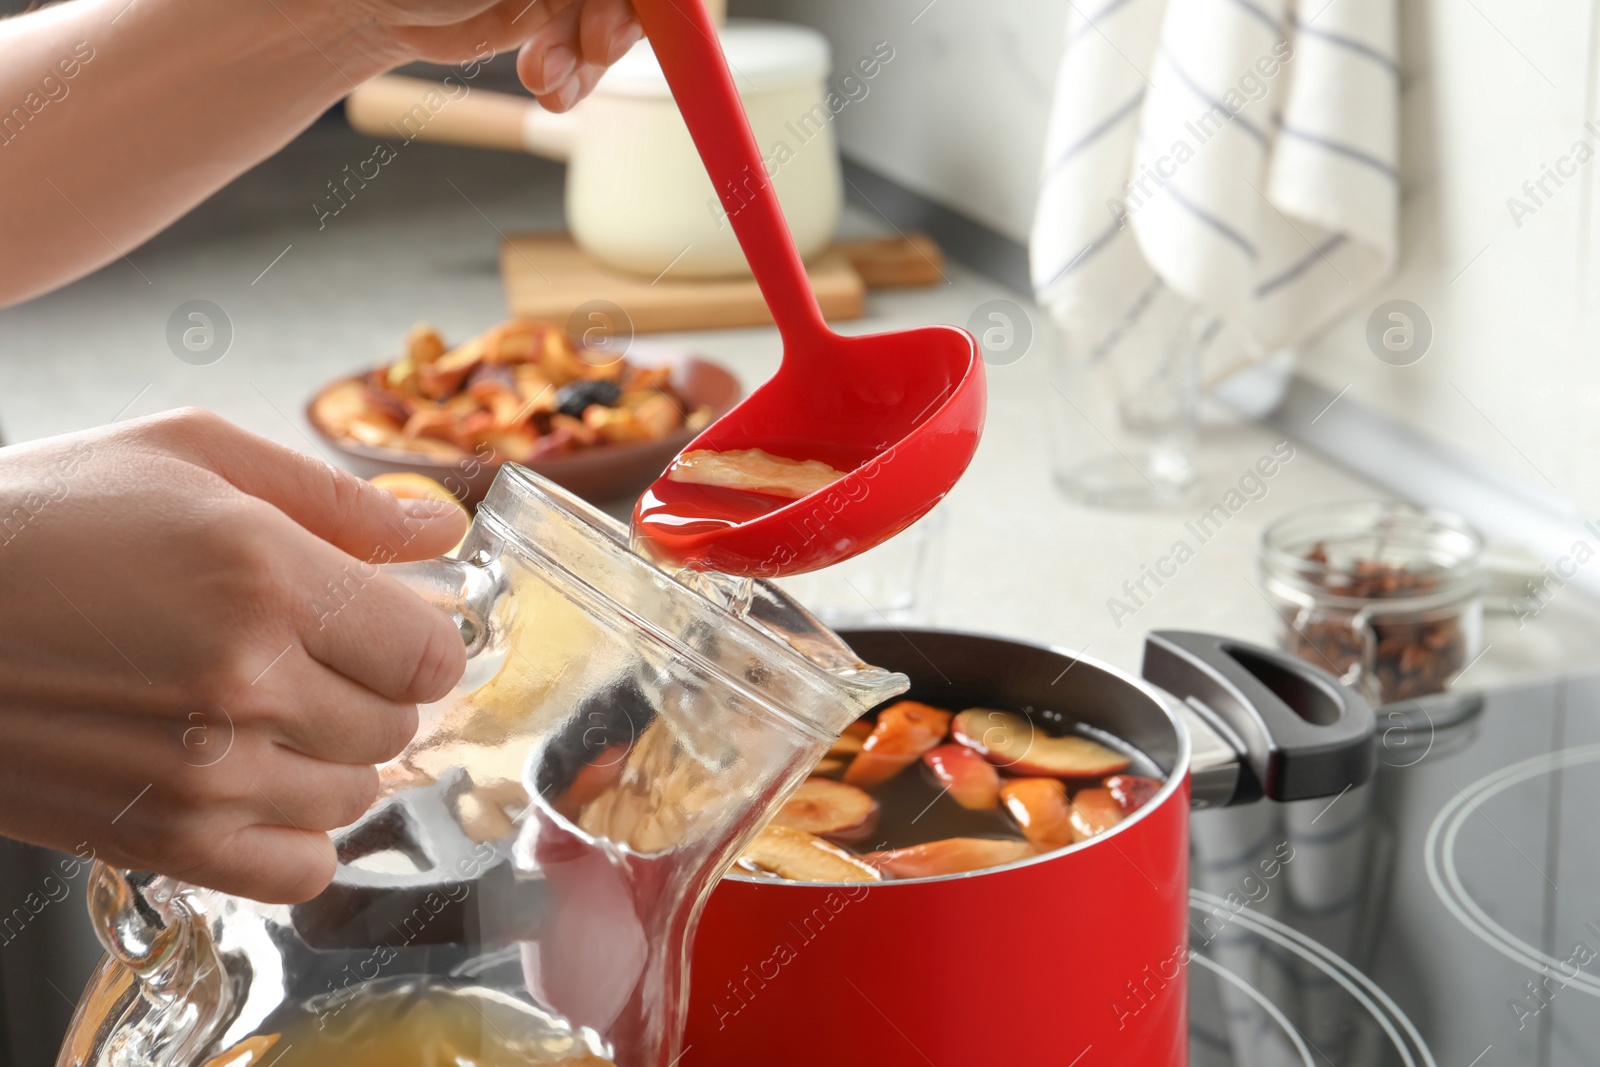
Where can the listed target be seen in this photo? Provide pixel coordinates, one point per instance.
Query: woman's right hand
(199, 664)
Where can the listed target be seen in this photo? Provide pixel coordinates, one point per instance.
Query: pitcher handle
(145, 923)
(464, 589)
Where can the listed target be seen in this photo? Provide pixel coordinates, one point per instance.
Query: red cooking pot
(1070, 959)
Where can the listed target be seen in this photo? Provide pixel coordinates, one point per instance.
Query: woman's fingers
(273, 864)
(500, 28)
(550, 57)
(578, 86)
(606, 30)
(338, 507)
(320, 713)
(247, 817)
(310, 794)
(368, 627)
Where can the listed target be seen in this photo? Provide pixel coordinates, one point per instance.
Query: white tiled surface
(959, 113)
(1493, 91)
(1015, 557)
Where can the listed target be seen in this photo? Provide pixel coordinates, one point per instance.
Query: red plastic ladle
(901, 411)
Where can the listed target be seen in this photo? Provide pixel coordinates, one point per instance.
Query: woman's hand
(573, 46)
(199, 665)
(180, 96)
(566, 44)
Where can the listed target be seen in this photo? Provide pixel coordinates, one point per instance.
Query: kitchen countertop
(420, 241)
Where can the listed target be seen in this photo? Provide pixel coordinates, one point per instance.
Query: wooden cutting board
(548, 277)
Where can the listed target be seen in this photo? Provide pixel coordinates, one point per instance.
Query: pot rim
(1176, 779)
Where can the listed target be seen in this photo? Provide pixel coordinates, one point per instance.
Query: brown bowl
(599, 474)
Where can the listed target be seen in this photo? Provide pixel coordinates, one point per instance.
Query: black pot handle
(1295, 731)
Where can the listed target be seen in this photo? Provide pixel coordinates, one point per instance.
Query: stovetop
(1446, 914)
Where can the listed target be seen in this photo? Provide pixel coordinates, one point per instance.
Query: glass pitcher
(526, 886)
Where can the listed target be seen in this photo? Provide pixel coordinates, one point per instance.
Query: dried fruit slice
(849, 743)
(829, 809)
(1040, 807)
(828, 767)
(592, 781)
(952, 855)
(408, 485)
(1132, 791)
(969, 778)
(252, 1050)
(754, 471)
(1094, 811)
(802, 857)
(903, 732)
(1012, 741)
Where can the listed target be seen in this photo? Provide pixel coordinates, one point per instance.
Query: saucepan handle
(1294, 731)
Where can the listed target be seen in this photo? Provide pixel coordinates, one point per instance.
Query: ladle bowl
(900, 412)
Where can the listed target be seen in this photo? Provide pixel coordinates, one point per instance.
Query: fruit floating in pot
(1011, 741)
(1094, 811)
(904, 731)
(1041, 808)
(829, 767)
(829, 809)
(944, 794)
(1132, 791)
(970, 779)
(951, 855)
(802, 857)
(851, 741)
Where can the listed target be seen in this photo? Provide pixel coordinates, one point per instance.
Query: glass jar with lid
(1387, 595)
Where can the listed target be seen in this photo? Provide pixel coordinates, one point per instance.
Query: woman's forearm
(117, 116)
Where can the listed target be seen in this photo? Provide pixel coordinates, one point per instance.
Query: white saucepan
(637, 196)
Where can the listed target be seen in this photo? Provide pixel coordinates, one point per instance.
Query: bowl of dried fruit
(599, 422)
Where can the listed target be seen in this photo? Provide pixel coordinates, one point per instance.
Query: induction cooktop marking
(1480, 1056)
(1358, 985)
(1256, 995)
(1480, 813)
(1439, 854)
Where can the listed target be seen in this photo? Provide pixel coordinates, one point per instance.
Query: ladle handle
(685, 43)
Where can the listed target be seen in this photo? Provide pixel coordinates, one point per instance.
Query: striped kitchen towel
(1228, 162)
